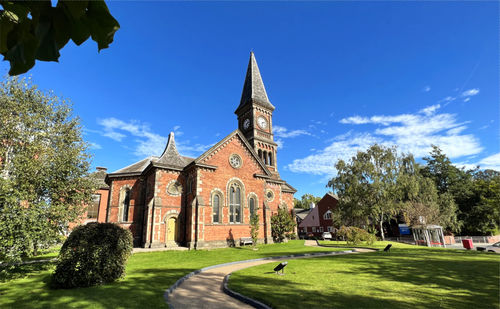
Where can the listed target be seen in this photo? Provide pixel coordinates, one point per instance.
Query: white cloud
(466, 100)
(470, 92)
(281, 133)
(429, 110)
(147, 143)
(426, 89)
(93, 145)
(491, 162)
(412, 133)
(448, 99)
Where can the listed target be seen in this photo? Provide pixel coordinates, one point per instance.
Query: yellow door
(171, 229)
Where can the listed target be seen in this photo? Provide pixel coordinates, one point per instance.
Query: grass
(148, 276)
(406, 277)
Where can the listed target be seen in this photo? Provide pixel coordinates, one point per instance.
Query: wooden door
(171, 229)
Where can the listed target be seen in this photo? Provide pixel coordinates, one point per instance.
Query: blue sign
(404, 229)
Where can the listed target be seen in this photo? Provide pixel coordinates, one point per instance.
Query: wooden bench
(246, 241)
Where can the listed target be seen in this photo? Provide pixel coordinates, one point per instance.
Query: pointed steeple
(253, 88)
(170, 155)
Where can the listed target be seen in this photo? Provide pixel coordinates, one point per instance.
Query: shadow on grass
(145, 286)
(434, 277)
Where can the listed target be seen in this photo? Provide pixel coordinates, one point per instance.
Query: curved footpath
(204, 288)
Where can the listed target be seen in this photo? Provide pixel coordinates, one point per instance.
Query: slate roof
(136, 167)
(100, 176)
(170, 156)
(253, 88)
(287, 187)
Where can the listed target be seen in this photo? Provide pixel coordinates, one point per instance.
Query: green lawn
(406, 277)
(148, 276)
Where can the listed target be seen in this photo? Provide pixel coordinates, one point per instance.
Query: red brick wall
(218, 179)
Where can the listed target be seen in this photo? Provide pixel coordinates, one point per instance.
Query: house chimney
(101, 169)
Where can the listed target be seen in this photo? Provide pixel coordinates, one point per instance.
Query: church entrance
(172, 230)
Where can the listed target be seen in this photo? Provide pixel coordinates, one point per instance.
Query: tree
(254, 228)
(420, 199)
(473, 191)
(35, 30)
(44, 168)
(306, 200)
(281, 224)
(366, 186)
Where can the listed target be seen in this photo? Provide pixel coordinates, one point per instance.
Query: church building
(174, 200)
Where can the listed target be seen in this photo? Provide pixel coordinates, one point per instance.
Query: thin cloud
(470, 92)
(147, 143)
(281, 133)
(491, 162)
(426, 89)
(412, 133)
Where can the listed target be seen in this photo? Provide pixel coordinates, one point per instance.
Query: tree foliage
(93, 254)
(306, 201)
(366, 186)
(35, 30)
(476, 193)
(281, 224)
(43, 169)
(254, 228)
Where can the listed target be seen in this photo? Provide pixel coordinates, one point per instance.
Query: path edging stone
(171, 289)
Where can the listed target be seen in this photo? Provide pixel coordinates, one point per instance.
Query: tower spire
(253, 88)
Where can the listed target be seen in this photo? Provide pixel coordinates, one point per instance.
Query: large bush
(355, 236)
(93, 254)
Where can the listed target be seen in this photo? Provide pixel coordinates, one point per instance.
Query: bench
(246, 241)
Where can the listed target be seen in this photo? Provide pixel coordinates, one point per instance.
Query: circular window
(174, 188)
(235, 161)
(269, 195)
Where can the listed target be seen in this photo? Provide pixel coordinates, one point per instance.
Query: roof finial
(170, 155)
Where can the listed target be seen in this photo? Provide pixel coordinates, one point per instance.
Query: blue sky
(342, 75)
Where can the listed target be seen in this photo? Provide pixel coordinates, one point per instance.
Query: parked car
(326, 235)
(493, 248)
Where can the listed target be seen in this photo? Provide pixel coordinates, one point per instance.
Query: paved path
(205, 289)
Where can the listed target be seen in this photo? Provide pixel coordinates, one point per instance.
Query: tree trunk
(381, 229)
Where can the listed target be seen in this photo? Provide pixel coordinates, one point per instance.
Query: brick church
(174, 200)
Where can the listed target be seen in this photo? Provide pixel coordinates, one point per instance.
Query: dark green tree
(254, 228)
(44, 168)
(281, 224)
(306, 200)
(36, 30)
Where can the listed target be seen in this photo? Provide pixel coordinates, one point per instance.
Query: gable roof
(253, 88)
(238, 133)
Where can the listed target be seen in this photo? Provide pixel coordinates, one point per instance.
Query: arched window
(251, 205)
(234, 204)
(270, 158)
(216, 201)
(264, 154)
(260, 153)
(125, 204)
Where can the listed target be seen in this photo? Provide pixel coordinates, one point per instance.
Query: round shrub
(93, 254)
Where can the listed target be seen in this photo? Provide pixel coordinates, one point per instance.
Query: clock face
(246, 124)
(262, 122)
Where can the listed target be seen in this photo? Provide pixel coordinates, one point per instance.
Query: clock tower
(255, 116)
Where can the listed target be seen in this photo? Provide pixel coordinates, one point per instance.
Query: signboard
(404, 229)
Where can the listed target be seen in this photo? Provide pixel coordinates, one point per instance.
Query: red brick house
(175, 200)
(319, 219)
